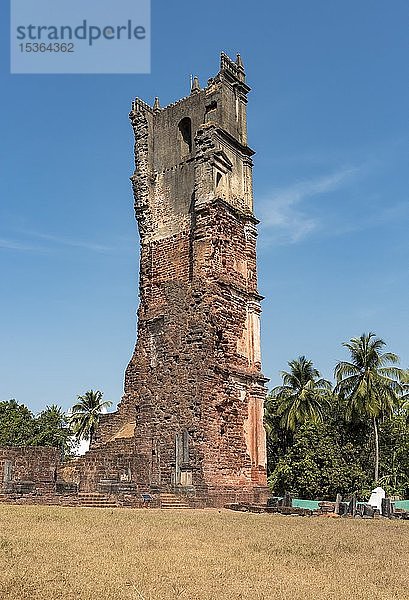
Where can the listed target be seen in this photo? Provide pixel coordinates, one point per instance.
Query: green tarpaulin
(311, 504)
(402, 504)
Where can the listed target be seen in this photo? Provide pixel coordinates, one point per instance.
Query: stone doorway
(183, 471)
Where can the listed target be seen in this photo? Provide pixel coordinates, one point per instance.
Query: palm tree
(371, 383)
(403, 404)
(303, 396)
(86, 413)
(405, 382)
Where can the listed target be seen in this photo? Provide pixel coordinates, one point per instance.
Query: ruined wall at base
(32, 467)
(112, 463)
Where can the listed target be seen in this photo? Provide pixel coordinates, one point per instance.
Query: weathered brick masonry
(191, 418)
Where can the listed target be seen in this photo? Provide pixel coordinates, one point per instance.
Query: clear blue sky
(328, 118)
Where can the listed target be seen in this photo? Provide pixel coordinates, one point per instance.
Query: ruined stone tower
(191, 418)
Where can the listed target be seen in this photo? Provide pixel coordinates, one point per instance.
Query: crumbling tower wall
(192, 412)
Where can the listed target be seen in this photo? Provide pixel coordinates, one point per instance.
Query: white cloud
(64, 241)
(282, 211)
(82, 448)
(32, 246)
(15, 245)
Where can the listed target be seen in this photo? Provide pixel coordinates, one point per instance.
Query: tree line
(52, 426)
(347, 437)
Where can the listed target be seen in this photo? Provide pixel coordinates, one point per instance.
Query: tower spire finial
(195, 86)
(239, 62)
(156, 105)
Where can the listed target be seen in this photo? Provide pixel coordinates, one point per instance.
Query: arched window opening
(185, 134)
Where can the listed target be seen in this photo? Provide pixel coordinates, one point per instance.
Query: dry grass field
(51, 553)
